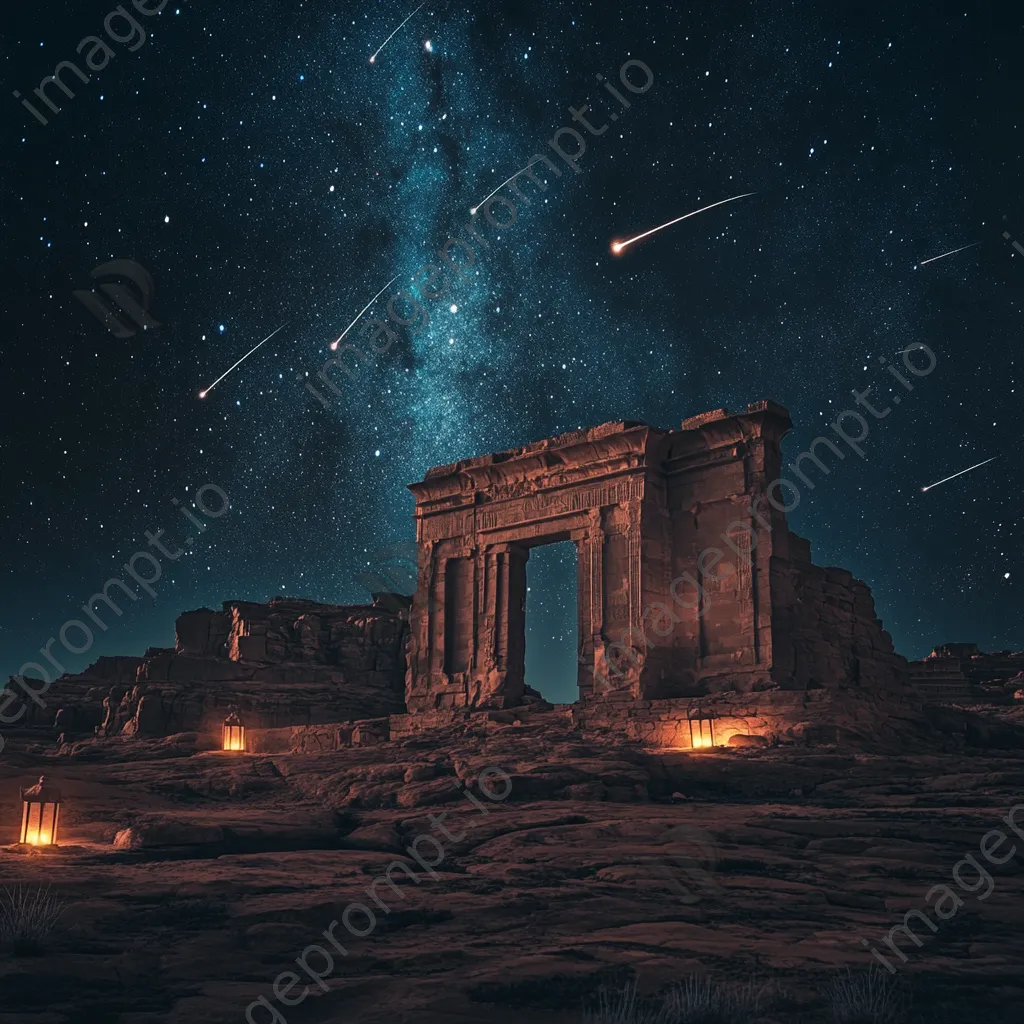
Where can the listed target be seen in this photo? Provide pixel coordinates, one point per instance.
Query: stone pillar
(590, 598)
(620, 651)
(503, 639)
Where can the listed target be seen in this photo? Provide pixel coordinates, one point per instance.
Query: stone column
(423, 623)
(506, 636)
(590, 597)
(634, 566)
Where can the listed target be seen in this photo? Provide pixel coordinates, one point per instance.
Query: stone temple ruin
(702, 619)
(689, 580)
(963, 673)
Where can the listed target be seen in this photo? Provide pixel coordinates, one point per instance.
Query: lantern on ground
(40, 814)
(702, 731)
(234, 732)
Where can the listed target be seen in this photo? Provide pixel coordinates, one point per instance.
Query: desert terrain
(192, 878)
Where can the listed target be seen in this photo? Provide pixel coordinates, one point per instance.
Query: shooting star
(373, 59)
(952, 252)
(617, 247)
(337, 341)
(961, 473)
(473, 209)
(203, 394)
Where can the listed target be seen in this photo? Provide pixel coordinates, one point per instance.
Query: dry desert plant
(28, 916)
(700, 1001)
(873, 997)
(621, 1006)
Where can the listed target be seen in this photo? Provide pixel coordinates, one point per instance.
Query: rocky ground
(194, 878)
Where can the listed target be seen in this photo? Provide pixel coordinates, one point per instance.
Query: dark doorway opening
(552, 622)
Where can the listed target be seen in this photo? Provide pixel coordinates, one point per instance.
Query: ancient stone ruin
(288, 663)
(963, 673)
(702, 619)
(689, 580)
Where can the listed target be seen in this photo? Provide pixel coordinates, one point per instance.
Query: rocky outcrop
(287, 663)
(963, 673)
(292, 630)
(74, 703)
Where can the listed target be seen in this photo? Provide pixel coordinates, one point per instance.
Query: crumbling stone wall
(689, 580)
(826, 632)
(961, 672)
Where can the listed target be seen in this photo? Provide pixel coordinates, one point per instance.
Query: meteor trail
(373, 59)
(950, 253)
(473, 209)
(337, 341)
(961, 473)
(203, 394)
(617, 247)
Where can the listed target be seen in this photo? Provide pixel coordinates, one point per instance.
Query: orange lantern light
(702, 732)
(234, 732)
(40, 814)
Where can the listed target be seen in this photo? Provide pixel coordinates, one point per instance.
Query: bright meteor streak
(373, 59)
(337, 341)
(961, 473)
(952, 252)
(203, 394)
(473, 209)
(617, 247)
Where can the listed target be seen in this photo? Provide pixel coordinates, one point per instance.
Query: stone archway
(688, 581)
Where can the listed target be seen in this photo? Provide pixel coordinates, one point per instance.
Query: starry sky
(267, 174)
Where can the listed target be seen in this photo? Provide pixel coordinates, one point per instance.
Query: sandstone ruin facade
(689, 579)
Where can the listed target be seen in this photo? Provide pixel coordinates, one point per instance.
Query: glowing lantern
(234, 732)
(702, 732)
(40, 814)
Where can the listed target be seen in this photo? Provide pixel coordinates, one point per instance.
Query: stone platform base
(315, 739)
(770, 718)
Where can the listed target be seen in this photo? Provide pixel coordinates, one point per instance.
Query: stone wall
(825, 630)
(689, 580)
(318, 739)
(858, 719)
(762, 719)
(292, 630)
(962, 673)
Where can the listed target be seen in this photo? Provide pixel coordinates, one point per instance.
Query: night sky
(265, 173)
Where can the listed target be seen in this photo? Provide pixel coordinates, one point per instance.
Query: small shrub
(873, 997)
(27, 917)
(621, 1006)
(699, 1001)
